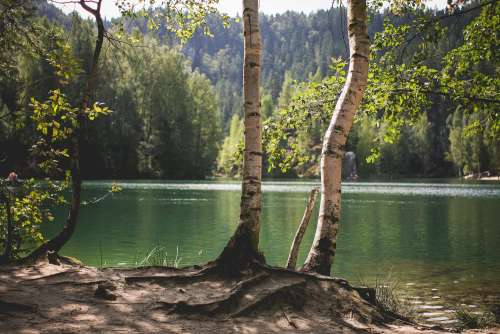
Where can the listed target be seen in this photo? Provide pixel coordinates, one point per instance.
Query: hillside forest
(175, 110)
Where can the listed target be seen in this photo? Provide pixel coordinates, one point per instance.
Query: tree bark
(294, 250)
(322, 252)
(56, 243)
(7, 255)
(244, 245)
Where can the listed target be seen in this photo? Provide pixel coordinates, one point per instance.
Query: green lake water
(440, 241)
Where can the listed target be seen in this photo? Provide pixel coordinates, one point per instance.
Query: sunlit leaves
(407, 75)
(183, 17)
(310, 109)
(55, 118)
(98, 109)
(29, 201)
(66, 66)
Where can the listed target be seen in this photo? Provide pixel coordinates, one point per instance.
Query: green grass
(158, 257)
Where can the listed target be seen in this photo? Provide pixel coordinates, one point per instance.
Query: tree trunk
(7, 255)
(320, 257)
(294, 250)
(244, 245)
(56, 243)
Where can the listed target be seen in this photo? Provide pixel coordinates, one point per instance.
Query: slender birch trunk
(244, 245)
(320, 257)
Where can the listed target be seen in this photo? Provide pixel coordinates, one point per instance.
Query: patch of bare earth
(46, 298)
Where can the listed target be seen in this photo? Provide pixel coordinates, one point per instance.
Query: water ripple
(382, 188)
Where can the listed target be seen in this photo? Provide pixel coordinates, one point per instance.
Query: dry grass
(388, 298)
(473, 320)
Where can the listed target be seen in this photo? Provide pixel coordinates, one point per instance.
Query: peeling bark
(243, 248)
(321, 254)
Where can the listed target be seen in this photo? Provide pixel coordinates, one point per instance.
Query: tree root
(290, 321)
(189, 277)
(257, 292)
(77, 283)
(59, 274)
(291, 294)
(303, 274)
(221, 305)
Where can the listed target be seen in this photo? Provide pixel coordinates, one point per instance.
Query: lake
(440, 241)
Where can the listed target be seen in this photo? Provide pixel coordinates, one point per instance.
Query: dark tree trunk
(56, 243)
(7, 255)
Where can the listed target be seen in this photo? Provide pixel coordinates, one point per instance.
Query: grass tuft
(388, 299)
(473, 320)
(158, 257)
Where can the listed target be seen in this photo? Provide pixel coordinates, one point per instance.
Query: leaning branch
(294, 250)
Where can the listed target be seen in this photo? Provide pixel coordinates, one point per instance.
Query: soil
(70, 298)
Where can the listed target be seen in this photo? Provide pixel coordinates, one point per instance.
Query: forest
(155, 167)
(192, 131)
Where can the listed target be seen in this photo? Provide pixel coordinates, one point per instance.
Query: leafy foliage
(183, 18)
(404, 91)
(30, 202)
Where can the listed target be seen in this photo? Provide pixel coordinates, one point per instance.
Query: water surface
(441, 241)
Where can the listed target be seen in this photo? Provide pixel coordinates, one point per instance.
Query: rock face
(349, 167)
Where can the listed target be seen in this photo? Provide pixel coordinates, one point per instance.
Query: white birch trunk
(244, 245)
(320, 257)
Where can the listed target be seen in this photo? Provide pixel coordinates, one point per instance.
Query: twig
(290, 322)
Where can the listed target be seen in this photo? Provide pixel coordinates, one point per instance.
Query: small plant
(473, 320)
(158, 257)
(388, 300)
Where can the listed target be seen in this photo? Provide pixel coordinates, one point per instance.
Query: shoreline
(48, 298)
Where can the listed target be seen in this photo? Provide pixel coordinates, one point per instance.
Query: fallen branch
(294, 251)
(290, 322)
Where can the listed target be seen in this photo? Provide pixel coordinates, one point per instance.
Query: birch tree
(321, 254)
(244, 245)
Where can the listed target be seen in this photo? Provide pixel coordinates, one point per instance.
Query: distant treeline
(173, 105)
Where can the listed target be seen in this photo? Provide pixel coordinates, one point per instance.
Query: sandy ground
(46, 298)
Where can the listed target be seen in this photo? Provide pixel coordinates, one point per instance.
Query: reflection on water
(440, 240)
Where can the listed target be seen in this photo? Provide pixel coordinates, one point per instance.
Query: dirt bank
(46, 298)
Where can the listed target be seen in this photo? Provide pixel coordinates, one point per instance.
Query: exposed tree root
(52, 276)
(269, 268)
(181, 276)
(262, 299)
(291, 294)
(76, 283)
(239, 255)
(220, 305)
